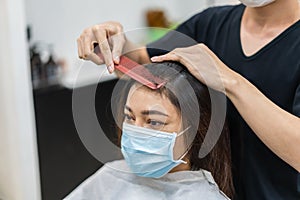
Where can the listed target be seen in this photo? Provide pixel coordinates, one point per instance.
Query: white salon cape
(113, 182)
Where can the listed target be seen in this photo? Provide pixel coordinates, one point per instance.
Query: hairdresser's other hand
(111, 40)
(203, 64)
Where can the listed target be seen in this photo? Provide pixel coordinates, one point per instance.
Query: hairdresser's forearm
(278, 129)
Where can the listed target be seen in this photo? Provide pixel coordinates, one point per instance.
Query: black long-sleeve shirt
(274, 70)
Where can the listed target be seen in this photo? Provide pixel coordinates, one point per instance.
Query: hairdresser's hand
(111, 40)
(203, 64)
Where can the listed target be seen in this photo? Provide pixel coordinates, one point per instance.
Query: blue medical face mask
(148, 152)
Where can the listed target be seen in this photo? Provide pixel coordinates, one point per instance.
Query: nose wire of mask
(148, 152)
(256, 3)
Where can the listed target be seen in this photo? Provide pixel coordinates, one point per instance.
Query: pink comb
(139, 73)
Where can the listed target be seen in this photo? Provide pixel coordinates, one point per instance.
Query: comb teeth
(139, 73)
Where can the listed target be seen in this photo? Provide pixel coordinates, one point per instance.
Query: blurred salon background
(41, 154)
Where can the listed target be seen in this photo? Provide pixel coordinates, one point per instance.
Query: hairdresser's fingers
(171, 56)
(107, 55)
(97, 51)
(88, 47)
(95, 58)
(116, 39)
(101, 37)
(118, 42)
(86, 40)
(181, 55)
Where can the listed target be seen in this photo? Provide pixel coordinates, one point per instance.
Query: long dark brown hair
(218, 161)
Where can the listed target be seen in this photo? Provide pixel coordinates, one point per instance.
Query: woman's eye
(155, 123)
(128, 117)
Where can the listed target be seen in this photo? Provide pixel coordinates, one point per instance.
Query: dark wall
(64, 161)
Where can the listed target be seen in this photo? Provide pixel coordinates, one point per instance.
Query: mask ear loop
(182, 132)
(181, 157)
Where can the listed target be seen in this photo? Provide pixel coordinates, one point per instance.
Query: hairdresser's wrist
(234, 85)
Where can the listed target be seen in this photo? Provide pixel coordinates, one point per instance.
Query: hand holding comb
(139, 73)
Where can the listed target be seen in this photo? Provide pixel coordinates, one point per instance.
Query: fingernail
(117, 59)
(110, 68)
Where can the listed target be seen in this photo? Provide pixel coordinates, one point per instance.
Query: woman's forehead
(141, 97)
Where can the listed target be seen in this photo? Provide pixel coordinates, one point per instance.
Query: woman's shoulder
(101, 182)
(115, 169)
(199, 183)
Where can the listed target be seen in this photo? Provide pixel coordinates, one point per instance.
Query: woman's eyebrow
(153, 112)
(148, 112)
(128, 108)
